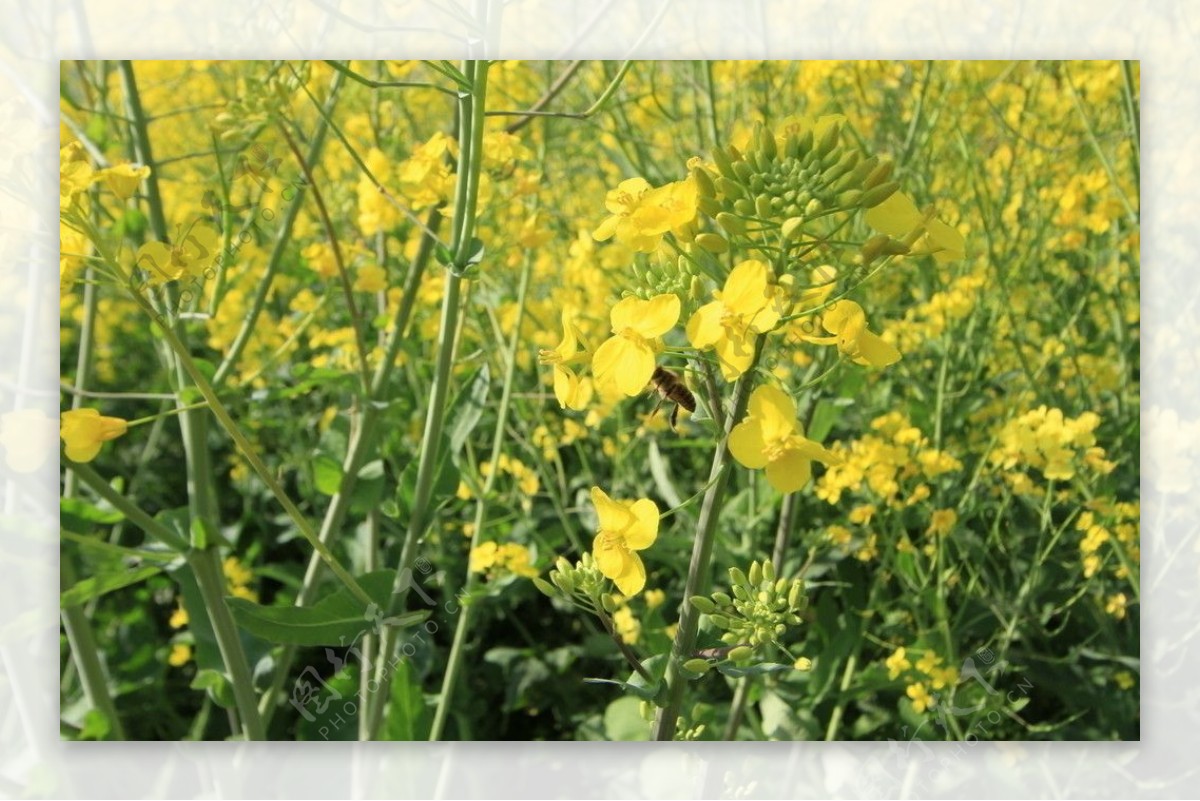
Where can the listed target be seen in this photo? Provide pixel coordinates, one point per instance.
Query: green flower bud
(743, 171)
(704, 182)
(855, 177)
(696, 288)
(850, 198)
(757, 184)
(608, 602)
(872, 249)
(722, 599)
(878, 175)
(697, 666)
(877, 194)
(768, 570)
(795, 594)
(804, 144)
(739, 592)
(840, 167)
(744, 206)
(708, 205)
(755, 576)
(781, 585)
(646, 709)
(724, 163)
(829, 141)
(791, 226)
(738, 578)
(741, 654)
(713, 243)
(730, 189)
(767, 143)
(720, 621)
(564, 581)
(702, 604)
(764, 597)
(762, 206)
(545, 587)
(813, 207)
(803, 663)
(732, 223)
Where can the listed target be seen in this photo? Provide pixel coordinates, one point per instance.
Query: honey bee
(670, 387)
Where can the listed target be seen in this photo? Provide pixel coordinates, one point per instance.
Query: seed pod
(876, 195)
(704, 182)
(878, 175)
(702, 604)
(731, 223)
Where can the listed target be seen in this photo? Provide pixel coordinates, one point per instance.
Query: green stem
(207, 568)
(457, 650)
(86, 654)
(281, 242)
(471, 109)
(699, 569)
(132, 511)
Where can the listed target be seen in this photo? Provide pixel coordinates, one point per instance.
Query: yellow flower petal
(633, 579)
(704, 327)
(789, 472)
(874, 351)
(747, 445)
(745, 291)
(775, 411)
(897, 216)
(654, 317)
(645, 530)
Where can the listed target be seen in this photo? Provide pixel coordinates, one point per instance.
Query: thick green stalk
(700, 567)
(470, 141)
(206, 566)
(356, 453)
(457, 649)
(84, 652)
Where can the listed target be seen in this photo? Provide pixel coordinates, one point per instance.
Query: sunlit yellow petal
(735, 353)
(745, 291)
(896, 216)
(633, 578)
(656, 316)
(704, 327)
(875, 351)
(612, 515)
(775, 412)
(645, 530)
(747, 445)
(789, 472)
(610, 559)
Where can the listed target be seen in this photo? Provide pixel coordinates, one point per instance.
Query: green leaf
(81, 516)
(407, 714)
(368, 489)
(824, 416)
(337, 619)
(468, 408)
(103, 583)
(445, 481)
(208, 653)
(217, 685)
(623, 720)
(327, 474)
(662, 478)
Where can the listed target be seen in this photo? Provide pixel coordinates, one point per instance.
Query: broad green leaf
(103, 583)
(623, 720)
(217, 685)
(327, 474)
(204, 640)
(407, 713)
(337, 619)
(79, 515)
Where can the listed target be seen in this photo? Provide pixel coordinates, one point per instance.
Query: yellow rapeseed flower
(771, 437)
(85, 430)
(846, 323)
(572, 391)
(921, 699)
(625, 528)
(897, 663)
(627, 357)
(746, 307)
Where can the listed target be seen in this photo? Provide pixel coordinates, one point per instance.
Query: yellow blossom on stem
(192, 252)
(572, 391)
(85, 430)
(846, 322)
(746, 307)
(181, 654)
(75, 175)
(897, 663)
(771, 437)
(627, 357)
(124, 179)
(625, 528)
(370, 278)
(642, 214)
(921, 699)
(898, 216)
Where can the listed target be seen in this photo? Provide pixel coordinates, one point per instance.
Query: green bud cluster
(258, 101)
(581, 582)
(674, 277)
(757, 611)
(800, 180)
